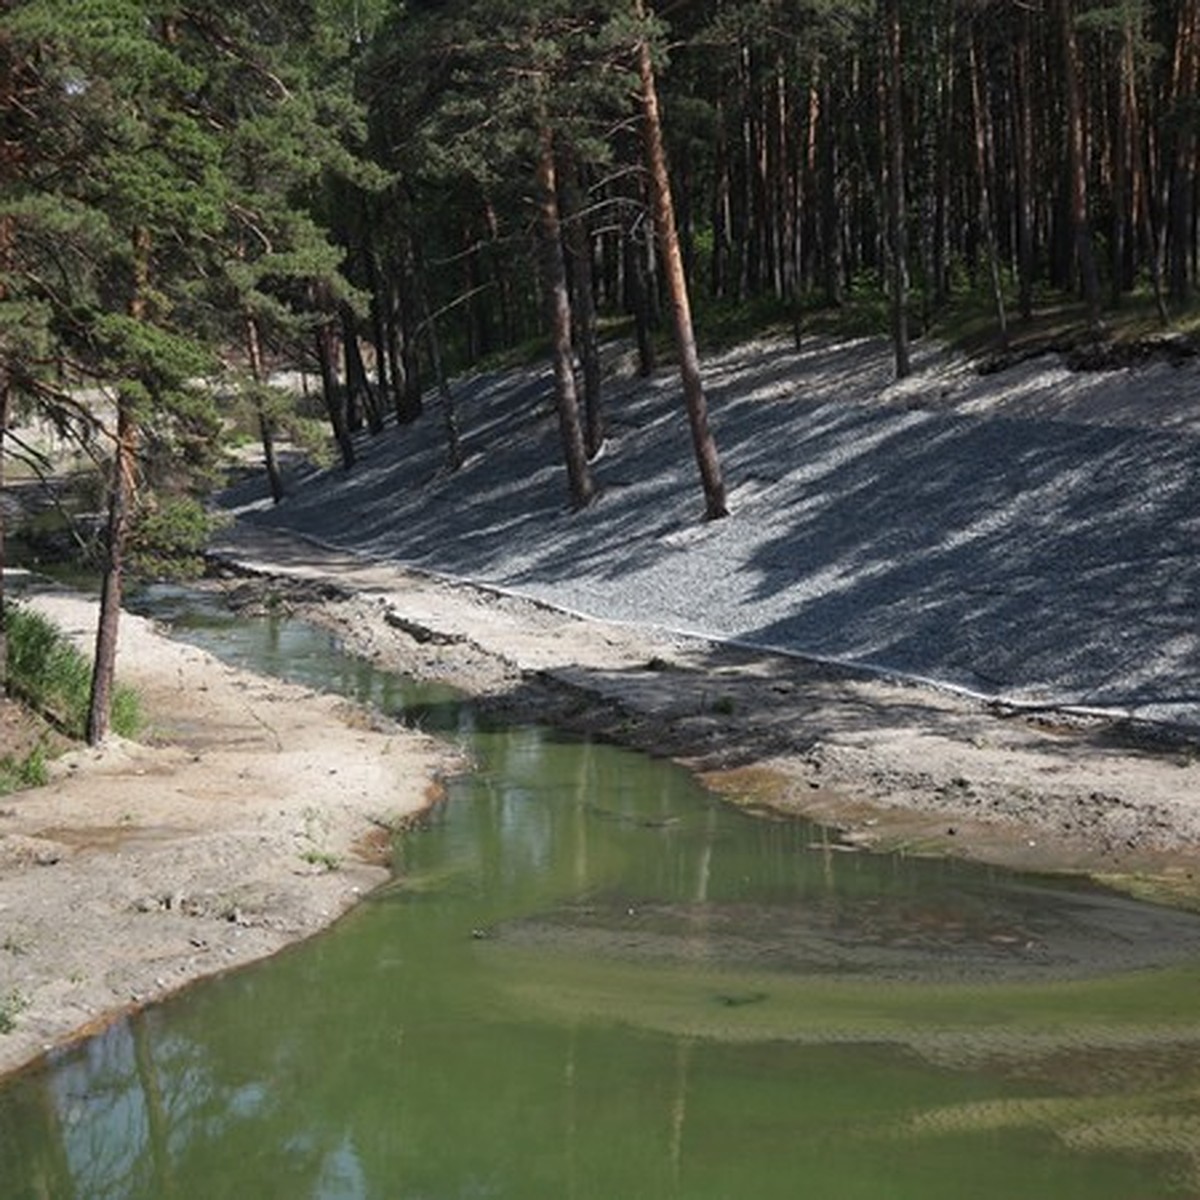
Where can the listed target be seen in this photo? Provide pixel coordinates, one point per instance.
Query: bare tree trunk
(558, 312)
(897, 221)
(361, 399)
(703, 443)
(583, 304)
(454, 451)
(266, 423)
(409, 399)
(1185, 78)
(1024, 156)
(1143, 220)
(335, 403)
(638, 297)
(120, 502)
(982, 169)
(1077, 168)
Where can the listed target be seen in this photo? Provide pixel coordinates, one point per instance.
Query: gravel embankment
(1028, 535)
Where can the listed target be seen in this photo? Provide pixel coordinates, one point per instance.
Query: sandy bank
(256, 814)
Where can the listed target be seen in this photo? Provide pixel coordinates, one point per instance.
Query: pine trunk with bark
(1077, 185)
(558, 313)
(983, 154)
(895, 188)
(703, 443)
(583, 303)
(120, 503)
(266, 423)
(335, 397)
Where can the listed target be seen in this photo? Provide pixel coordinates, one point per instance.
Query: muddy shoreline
(890, 765)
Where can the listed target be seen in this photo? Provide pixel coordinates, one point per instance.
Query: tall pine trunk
(897, 209)
(1077, 168)
(583, 303)
(1024, 157)
(558, 313)
(120, 504)
(266, 423)
(983, 155)
(703, 443)
(1181, 213)
(335, 397)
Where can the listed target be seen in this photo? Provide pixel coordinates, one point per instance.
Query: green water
(591, 979)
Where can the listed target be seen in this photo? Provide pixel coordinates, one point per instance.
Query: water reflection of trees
(396, 1059)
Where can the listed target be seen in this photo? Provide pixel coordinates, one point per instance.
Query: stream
(591, 978)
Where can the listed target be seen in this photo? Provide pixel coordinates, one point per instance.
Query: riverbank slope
(252, 814)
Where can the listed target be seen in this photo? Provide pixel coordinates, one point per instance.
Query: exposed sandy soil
(253, 814)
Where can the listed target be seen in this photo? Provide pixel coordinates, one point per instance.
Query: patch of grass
(11, 1007)
(321, 858)
(51, 676)
(16, 773)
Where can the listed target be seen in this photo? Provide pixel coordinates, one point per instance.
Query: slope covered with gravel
(1028, 535)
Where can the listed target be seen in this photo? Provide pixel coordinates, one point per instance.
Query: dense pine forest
(380, 194)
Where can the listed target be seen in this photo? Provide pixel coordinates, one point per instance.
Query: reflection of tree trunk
(683, 1062)
(704, 445)
(266, 423)
(558, 311)
(158, 1126)
(53, 1173)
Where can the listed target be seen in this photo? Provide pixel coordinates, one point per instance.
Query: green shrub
(169, 540)
(16, 774)
(50, 675)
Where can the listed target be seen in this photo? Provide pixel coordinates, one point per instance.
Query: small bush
(50, 675)
(11, 1006)
(16, 774)
(169, 540)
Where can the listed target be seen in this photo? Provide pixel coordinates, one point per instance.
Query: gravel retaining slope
(1029, 535)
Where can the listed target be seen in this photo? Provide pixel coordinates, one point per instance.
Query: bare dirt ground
(252, 814)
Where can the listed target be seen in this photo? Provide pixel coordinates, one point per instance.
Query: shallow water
(592, 979)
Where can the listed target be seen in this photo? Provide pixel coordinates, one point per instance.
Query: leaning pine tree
(703, 442)
(123, 202)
